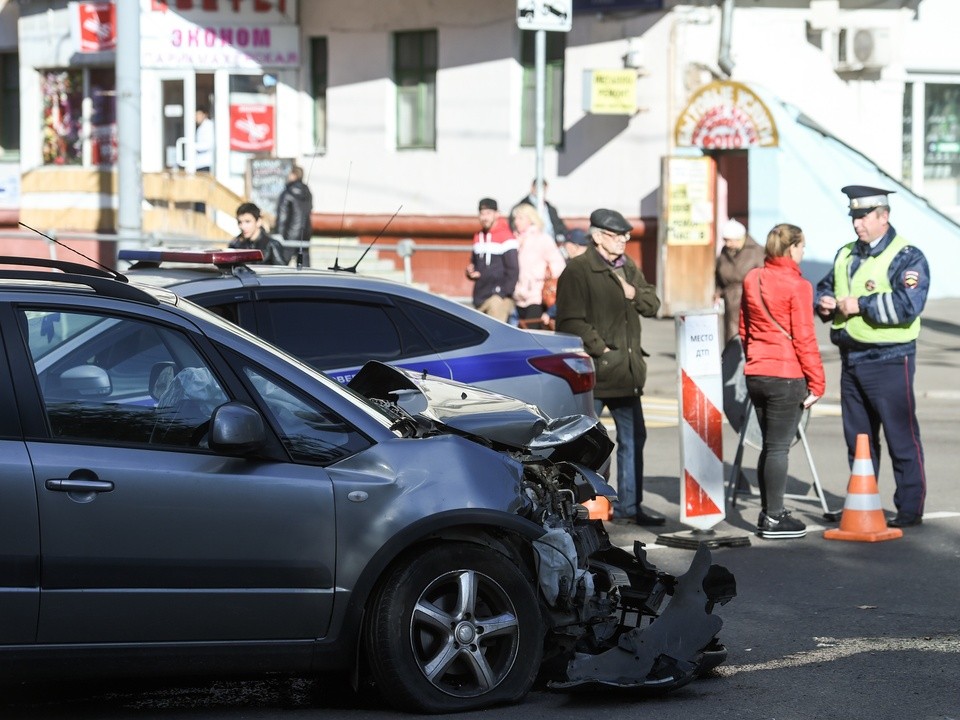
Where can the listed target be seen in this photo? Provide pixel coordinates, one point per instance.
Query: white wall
(607, 160)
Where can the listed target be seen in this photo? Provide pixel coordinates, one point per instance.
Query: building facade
(425, 107)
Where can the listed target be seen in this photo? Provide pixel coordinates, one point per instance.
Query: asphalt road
(820, 629)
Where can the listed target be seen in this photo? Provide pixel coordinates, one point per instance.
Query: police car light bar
(200, 257)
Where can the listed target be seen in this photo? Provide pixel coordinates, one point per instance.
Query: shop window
(252, 120)
(415, 75)
(103, 116)
(318, 85)
(907, 160)
(931, 143)
(942, 132)
(9, 104)
(62, 95)
(553, 89)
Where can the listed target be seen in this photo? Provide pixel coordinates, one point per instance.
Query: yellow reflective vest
(871, 278)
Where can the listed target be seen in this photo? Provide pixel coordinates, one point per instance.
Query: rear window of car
(444, 332)
(331, 333)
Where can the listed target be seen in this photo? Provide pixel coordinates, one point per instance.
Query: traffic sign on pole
(555, 15)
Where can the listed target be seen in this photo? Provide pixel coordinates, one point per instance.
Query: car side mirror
(85, 381)
(236, 429)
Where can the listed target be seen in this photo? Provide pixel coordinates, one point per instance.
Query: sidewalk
(938, 356)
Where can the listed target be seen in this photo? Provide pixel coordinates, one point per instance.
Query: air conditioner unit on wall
(863, 48)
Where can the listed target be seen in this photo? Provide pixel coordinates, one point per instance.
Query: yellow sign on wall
(610, 92)
(689, 205)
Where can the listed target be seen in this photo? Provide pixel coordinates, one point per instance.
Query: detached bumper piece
(674, 648)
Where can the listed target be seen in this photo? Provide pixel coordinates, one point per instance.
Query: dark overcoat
(591, 304)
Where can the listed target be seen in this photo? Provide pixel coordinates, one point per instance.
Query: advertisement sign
(94, 26)
(610, 92)
(168, 40)
(252, 127)
(689, 201)
(725, 115)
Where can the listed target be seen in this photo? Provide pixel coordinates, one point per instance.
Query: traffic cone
(862, 518)
(600, 508)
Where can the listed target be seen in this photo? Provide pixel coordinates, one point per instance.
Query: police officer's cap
(864, 199)
(610, 220)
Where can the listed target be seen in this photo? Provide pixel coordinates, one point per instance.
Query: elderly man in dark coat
(600, 296)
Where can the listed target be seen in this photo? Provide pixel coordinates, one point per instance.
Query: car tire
(429, 641)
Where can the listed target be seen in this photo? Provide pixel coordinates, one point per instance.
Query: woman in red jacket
(783, 368)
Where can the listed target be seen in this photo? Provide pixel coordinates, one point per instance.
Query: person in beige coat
(740, 254)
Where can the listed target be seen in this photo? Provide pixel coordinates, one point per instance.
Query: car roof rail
(63, 265)
(102, 282)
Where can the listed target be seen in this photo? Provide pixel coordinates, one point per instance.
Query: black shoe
(645, 518)
(902, 520)
(780, 526)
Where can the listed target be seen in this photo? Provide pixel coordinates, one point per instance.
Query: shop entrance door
(178, 104)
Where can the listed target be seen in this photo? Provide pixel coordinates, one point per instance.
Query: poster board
(265, 180)
(686, 239)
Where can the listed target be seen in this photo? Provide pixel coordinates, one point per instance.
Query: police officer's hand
(849, 306)
(827, 305)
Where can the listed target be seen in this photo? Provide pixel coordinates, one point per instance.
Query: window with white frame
(318, 86)
(553, 89)
(931, 146)
(415, 75)
(9, 103)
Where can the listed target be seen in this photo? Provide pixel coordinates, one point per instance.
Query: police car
(336, 321)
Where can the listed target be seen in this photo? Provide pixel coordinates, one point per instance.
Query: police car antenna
(353, 268)
(343, 214)
(114, 273)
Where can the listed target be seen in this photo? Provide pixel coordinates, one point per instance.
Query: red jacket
(789, 299)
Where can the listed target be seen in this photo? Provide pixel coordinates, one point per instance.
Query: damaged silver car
(181, 498)
(595, 603)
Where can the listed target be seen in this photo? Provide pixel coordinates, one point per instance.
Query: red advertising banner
(252, 127)
(97, 24)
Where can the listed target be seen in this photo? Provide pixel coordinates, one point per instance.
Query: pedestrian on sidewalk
(540, 263)
(874, 296)
(740, 254)
(254, 236)
(293, 218)
(601, 296)
(783, 368)
(493, 265)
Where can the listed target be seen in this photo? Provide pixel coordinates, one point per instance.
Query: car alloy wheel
(471, 631)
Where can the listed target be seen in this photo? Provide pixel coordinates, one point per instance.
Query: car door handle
(72, 485)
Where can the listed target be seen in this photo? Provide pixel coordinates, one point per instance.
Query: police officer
(874, 296)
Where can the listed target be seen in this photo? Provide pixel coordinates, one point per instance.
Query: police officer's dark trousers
(881, 393)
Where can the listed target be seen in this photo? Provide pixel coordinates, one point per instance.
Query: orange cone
(862, 518)
(600, 508)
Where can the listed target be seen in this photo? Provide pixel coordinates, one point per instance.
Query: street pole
(541, 72)
(130, 178)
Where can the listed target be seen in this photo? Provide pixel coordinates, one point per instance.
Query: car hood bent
(499, 419)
